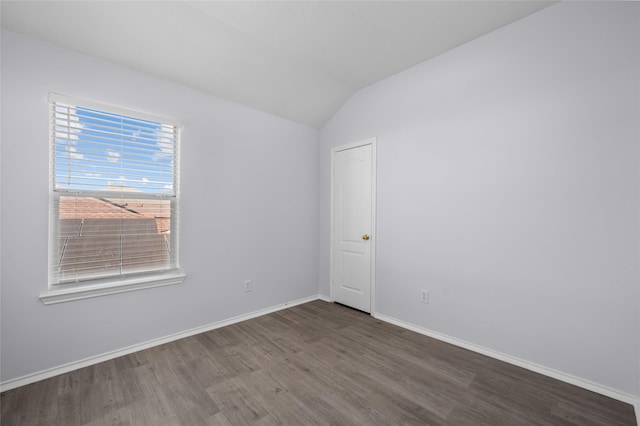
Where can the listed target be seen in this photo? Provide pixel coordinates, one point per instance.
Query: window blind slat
(113, 132)
(91, 159)
(102, 145)
(102, 138)
(71, 112)
(63, 117)
(149, 183)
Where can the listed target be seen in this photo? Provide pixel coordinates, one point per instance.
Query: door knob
(365, 237)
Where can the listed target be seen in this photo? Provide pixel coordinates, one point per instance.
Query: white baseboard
(325, 298)
(555, 374)
(51, 372)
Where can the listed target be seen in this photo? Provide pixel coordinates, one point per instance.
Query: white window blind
(114, 192)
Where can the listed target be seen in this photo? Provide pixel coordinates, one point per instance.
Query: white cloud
(113, 156)
(164, 142)
(73, 153)
(119, 182)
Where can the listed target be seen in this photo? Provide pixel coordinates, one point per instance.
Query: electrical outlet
(424, 296)
(248, 286)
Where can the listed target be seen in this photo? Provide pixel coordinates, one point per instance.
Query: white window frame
(67, 291)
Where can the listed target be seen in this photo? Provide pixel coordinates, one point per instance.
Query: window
(114, 200)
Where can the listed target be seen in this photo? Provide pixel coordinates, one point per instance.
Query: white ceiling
(296, 59)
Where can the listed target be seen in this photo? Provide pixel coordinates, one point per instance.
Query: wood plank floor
(318, 364)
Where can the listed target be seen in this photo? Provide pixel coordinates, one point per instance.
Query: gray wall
(508, 186)
(249, 211)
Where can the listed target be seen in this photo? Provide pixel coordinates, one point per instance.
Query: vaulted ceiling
(300, 60)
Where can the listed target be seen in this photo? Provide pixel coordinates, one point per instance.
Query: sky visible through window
(98, 151)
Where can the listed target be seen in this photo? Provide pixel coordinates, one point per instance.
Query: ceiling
(300, 60)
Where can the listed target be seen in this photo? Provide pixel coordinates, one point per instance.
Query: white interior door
(352, 226)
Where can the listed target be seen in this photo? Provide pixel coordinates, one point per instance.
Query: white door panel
(352, 226)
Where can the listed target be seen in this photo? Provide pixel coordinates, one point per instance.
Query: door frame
(374, 204)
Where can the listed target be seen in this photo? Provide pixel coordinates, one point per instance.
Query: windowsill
(86, 291)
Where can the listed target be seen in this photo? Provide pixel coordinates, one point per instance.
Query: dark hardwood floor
(317, 363)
